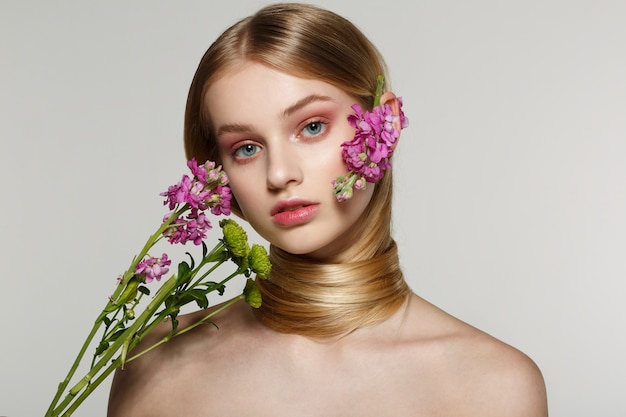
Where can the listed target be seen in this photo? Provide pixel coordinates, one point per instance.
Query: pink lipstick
(293, 212)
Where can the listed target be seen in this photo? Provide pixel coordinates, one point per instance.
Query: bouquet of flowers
(120, 326)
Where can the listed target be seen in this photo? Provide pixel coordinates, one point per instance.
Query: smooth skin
(279, 138)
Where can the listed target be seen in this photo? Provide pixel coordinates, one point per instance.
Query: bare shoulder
(147, 385)
(501, 376)
(480, 375)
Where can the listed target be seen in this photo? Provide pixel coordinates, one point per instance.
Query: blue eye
(314, 128)
(246, 151)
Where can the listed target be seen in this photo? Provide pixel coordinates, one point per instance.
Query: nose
(283, 168)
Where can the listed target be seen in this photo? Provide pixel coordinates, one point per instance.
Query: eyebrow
(298, 105)
(233, 128)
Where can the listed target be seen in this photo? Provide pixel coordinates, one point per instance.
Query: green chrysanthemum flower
(252, 294)
(235, 238)
(259, 261)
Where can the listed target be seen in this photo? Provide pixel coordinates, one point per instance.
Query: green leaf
(117, 334)
(214, 286)
(202, 302)
(144, 290)
(200, 297)
(184, 273)
(193, 262)
(130, 292)
(180, 300)
(102, 347)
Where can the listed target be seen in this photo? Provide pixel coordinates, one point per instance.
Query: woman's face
(279, 139)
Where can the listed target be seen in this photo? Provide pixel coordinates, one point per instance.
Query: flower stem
(210, 257)
(129, 273)
(92, 386)
(166, 312)
(203, 320)
(63, 385)
(163, 292)
(152, 240)
(380, 82)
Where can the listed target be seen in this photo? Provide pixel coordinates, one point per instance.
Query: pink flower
(198, 191)
(221, 198)
(199, 172)
(206, 190)
(177, 194)
(368, 154)
(153, 268)
(191, 228)
(197, 226)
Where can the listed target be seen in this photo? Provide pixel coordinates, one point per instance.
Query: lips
(293, 212)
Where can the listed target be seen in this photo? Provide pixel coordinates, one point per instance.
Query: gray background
(510, 203)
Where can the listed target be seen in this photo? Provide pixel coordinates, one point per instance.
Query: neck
(321, 300)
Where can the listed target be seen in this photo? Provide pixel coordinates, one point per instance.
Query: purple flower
(206, 190)
(367, 154)
(221, 198)
(199, 172)
(191, 228)
(197, 226)
(153, 268)
(198, 191)
(177, 194)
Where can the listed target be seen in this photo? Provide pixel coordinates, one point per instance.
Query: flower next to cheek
(191, 197)
(368, 154)
(220, 201)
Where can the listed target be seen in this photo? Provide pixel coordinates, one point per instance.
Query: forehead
(256, 90)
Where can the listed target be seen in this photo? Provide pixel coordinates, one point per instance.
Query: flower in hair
(368, 154)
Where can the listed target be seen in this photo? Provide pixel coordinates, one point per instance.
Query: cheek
(330, 161)
(360, 200)
(238, 182)
(337, 163)
(334, 159)
(248, 190)
(241, 192)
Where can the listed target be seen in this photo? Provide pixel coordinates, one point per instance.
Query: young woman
(339, 332)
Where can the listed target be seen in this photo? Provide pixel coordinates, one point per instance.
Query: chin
(298, 250)
(307, 251)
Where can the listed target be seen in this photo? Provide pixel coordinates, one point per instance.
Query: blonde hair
(364, 284)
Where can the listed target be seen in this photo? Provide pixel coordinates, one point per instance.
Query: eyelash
(237, 152)
(242, 158)
(323, 127)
